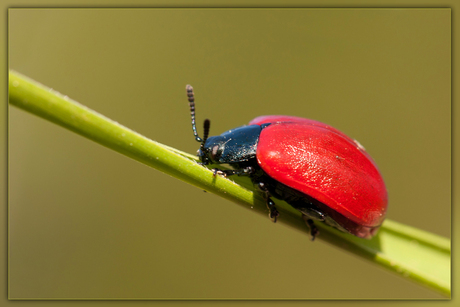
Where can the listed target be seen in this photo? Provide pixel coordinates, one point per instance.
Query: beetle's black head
(213, 150)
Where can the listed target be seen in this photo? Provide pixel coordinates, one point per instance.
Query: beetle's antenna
(191, 101)
(206, 125)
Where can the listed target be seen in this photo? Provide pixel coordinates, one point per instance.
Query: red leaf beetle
(315, 168)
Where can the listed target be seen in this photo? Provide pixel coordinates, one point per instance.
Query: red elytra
(322, 162)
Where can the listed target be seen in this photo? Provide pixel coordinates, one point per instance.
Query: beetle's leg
(272, 211)
(313, 230)
(240, 172)
(273, 214)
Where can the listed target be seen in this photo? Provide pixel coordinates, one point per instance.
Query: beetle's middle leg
(272, 211)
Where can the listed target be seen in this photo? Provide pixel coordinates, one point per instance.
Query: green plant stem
(412, 253)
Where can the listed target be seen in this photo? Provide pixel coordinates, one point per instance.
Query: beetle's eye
(215, 152)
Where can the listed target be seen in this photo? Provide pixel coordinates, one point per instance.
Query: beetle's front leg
(240, 172)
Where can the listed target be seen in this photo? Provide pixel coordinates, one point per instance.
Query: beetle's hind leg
(272, 211)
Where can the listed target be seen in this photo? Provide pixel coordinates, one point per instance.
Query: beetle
(317, 169)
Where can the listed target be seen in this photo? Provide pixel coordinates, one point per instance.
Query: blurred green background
(86, 222)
